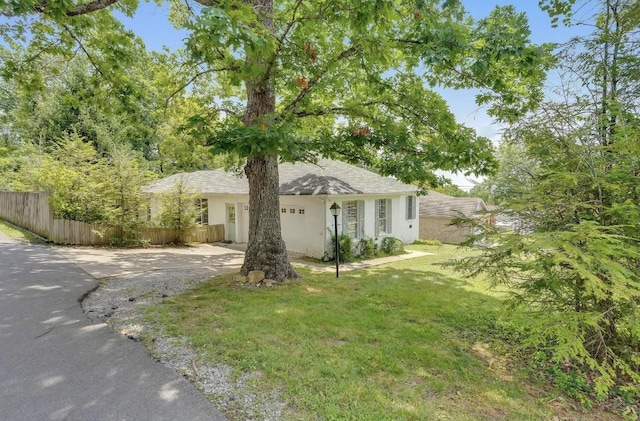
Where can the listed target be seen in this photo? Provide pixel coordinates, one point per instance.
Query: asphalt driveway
(57, 364)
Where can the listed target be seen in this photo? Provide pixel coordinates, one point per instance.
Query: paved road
(56, 364)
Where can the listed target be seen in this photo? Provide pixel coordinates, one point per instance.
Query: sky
(151, 24)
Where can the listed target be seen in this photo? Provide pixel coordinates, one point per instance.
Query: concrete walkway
(57, 364)
(345, 267)
(299, 259)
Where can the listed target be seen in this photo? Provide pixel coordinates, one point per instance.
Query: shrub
(367, 248)
(391, 245)
(345, 242)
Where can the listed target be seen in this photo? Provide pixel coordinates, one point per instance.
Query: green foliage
(391, 245)
(74, 99)
(127, 207)
(513, 179)
(87, 188)
(576, 262)
(558, 8)
(367, 248)
(564, 377)
(451, 190)
(297, 80)
(178, 211)
(345, 244)
(71, 173)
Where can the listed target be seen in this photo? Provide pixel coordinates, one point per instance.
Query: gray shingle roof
(438, 204)
(326, 177)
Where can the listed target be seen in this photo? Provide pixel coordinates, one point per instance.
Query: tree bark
(266, 250)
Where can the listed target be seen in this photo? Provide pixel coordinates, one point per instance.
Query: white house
(372, 206)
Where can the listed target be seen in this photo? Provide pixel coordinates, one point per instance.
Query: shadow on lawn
(466, 308)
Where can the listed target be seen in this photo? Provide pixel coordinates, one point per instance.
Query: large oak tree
(294, 79)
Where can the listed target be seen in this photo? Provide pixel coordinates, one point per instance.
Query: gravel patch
(120, 302)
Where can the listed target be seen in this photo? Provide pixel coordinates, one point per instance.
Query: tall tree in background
(579, 267)
(295, 78)
(72, 99)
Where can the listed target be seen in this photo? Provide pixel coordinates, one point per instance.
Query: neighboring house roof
(327, 177)
(436, 204)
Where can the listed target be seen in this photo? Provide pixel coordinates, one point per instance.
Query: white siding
(401, 228)
(310, 233)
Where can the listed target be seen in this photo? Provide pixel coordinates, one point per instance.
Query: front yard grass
(18, 234)
(403, 341)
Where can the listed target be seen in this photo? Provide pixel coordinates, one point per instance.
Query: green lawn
(17, 234)
(403, 341)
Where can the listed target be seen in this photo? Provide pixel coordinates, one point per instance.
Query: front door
(230, 227)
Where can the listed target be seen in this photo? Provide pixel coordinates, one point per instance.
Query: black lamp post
(335, 211)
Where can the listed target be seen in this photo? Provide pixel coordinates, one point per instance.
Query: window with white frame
(352, 218)
(383, 216)
(202, 211)
(411, 207)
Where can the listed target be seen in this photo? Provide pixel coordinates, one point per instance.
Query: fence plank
(27, 210)
(32, 212)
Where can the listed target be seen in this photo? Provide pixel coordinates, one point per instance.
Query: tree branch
(349, 52)
(271, 63)
(83, 9)
(193, 79)
(84, 50)
(207, 2)
(460, 73)
(334, 110)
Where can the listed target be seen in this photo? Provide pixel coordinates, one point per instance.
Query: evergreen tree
(578, 266)
(178, 210)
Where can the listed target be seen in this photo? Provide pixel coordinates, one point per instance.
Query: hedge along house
(372, 206)
(438, 211)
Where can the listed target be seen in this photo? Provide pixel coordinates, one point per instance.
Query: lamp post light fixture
(335, 211)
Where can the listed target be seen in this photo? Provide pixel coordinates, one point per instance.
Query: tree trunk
(266, 250)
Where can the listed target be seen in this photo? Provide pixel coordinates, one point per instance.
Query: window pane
(231, 214)
(204, 212)
(383, 219)
(411, 207)
(350, 218)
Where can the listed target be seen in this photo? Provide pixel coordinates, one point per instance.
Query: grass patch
(403, 341)
(17, 233)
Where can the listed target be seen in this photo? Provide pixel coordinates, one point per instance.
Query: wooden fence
(31, 211)
(27, 210)
(202, 234)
